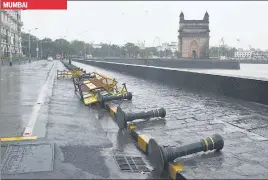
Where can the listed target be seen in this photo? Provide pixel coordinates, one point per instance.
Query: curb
(42, 97)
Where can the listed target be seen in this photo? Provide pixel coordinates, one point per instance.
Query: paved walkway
(86, 139)
(192, 116)
(20, 86)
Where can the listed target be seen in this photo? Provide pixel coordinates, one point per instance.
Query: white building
(96, 46)
(11, 32)
(240, 54)
(252, 54)
(173, 46)
(266, 53)
(163, 47)
(259, 55)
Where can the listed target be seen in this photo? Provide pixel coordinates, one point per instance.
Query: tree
(151, 51)
(177, 54)
(80, 48)
(132, 50)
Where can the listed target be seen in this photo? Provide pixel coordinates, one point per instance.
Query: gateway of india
(194, 38)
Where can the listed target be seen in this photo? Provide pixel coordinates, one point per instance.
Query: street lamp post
(29, 47)
(37, 49)
(89, 47)
(83, 33)
(85, 45)
(10, 48)
(62, 47)
(41, 48)
(62, 37)
(29, 44)
(85, 50)
(159, 45)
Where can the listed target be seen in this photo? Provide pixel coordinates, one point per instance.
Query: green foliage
(80, 48)
(222, 51)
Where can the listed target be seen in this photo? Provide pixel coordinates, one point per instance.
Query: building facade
(172, 46)
(162, 47)
(194, 37)
(95, 46)
(259, 55)
(10, 30)
(252, 54)
(240, 54)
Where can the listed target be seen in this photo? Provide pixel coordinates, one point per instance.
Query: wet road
(19, 90)
(191, 116)
(86, 139)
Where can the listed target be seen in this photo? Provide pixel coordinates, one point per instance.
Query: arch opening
(194, 49)
(194, 54)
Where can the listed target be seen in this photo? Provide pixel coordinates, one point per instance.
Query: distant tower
(181, 16)
(206, 17)
(194, 37)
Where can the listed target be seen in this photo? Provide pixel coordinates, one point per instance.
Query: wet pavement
(86, 139)
(192, 116)
(20, 86)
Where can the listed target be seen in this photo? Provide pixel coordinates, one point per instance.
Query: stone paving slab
(85, 143)
(86, 139)
(20, 86)
(192, 116)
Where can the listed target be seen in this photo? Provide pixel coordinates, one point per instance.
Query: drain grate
(131, 164)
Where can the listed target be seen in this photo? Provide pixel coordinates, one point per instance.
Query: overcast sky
(118, 22)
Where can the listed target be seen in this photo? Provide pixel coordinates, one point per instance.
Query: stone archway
(194, 49)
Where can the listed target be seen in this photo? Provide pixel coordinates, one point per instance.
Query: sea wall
(240, 88)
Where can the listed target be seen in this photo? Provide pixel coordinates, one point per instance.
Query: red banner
(33, 4)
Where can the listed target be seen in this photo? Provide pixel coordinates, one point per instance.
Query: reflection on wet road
(193, 116)
(19, 90)
(186, 107)
(86, 139)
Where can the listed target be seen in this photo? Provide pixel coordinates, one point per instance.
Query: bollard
(160, 156)
(122, 118)
(104, 99)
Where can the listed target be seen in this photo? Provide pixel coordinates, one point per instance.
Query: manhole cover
(26, 158)
(131, 164)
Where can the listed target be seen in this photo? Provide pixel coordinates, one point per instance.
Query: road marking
(40, 101)
(3, 139)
